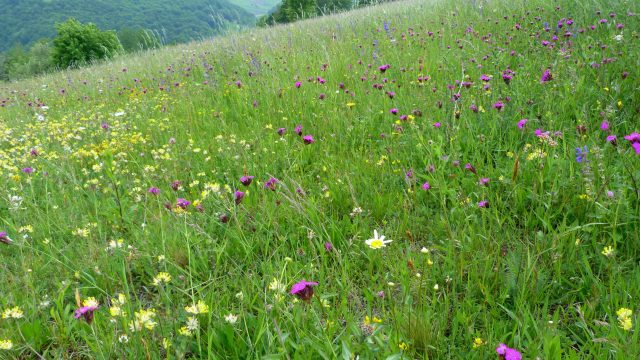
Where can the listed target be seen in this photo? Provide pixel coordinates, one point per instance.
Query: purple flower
(633, 138)
(409, 174)
(246, 180)
(426, 186)
(393, 111)
(604, 126)
(522, 123)
(303, 290)
(281, 131)
(546, 76)
(484, 181)
(308, 139)
(380, 294)
(636, 147)
(176, 185)
(183, 203)
(85, 312)
(328, 246)
(470, 167)
(298, 130)
(483, 204)
(498, 105)
(612, 139)
(153, 190)
(27, 170)
(581, 153)
(507, 353)
(238, 196)
(473, 108)
(271, 184)
(485, 78)
(384, 68)
(298, 84)
(4, 238)
(437, 125)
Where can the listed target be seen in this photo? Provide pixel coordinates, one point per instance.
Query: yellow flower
(115, 311)
(624, 318)
(607, 251)
(403, 346)
(13, 313)
(6, 344)
(369, 321)
(477, 342)
(144, 319)
(90, 301)
(162, 277)
(185, 332)
(199, 308)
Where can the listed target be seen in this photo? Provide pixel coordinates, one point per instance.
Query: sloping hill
(24, 21)
(256, 7)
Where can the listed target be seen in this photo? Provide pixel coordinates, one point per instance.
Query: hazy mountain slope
(24, 21)
(256, 7)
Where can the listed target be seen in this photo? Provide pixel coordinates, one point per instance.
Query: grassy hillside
(495, 146)
(25, 21)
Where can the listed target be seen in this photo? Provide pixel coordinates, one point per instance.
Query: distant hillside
(257, 7)
(25, 21)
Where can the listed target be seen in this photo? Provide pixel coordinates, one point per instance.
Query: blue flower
(581, 153)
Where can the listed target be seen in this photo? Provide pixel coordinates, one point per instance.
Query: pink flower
(246, 180)
(308, 139)
(4, 238)
(154, 190)
(426, 186)
(507, 353)
(85, 312)
(298, 84)
(546, 76)
(238, 196)
(604, 126)
(303, 290)
(483, 204)
(522, 123)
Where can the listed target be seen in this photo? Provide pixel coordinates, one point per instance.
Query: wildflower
(522, 123)
(13, 313)
(281, 131)
(507, 353)
(498, 105)
(144, 319)
(308, 139)
(246, 180)
(162, 277)
(607, 251)
(612, 139)
(328, 246)
(154, 190)
(581, 154)
(276, 286)
(546, 76)
(377, 242)
(426, 186)
(271, 184)
(303, 290)
(634, 139)
(374, 320)
(403, 346)
(624, 318)
(484, 181)
(6, 344)
(198, 308)
(192, 323)
(238, 196)
(604, 126)
(184, 331)
(437, 125)
(477, 342)
(86, 311)
(123, 339)
(182, 203)
(4, 238)
(483, 204)
(394, 111)
(298, 130)
(470, 167)
(28, 170)
(230, 318)
(384, 68)
(298, 84)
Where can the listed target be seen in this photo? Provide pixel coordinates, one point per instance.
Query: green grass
(527, 271)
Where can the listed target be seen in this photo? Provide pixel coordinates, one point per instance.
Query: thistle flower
(498, 105)
(281, 131)
(238, 196)
(298, 130)
(546, 76)
(4, 238)
(303, 290)
(308, 139)
(86, 312)
(483, 204)
(182, 203)
(154, 190)
(271, 184)
(507, 353)
(246, 180)
(522, 123)
(426, 186)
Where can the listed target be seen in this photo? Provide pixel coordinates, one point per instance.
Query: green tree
(78, 43)
(331, 6)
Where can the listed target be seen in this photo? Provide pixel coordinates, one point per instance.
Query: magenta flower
(281, 131)
(498, 105)
(271, 184)
(484, 181)
(153, 190)
(507, 353)
(483, 204)
(4, 238)
(298, 84)
(604, 126)
(183, 203)
(393, 111)
(238, 196)
(328, 246)
(246, 180)
(298, 130)
(85, 312)
(634, 139)
(426, 186)
(437, 125)
(308, 139)
(470, 167)
(473, 108)
(176, 185)
(612, 139)
(303, 290)
(522, 123)
(384, 68)
(485, 78)
(28, 170)
(546, 76)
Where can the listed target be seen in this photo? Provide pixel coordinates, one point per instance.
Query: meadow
(415, 180)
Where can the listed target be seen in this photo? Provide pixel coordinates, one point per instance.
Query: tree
(78, 43)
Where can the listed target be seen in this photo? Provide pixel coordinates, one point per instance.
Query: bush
(78, 43)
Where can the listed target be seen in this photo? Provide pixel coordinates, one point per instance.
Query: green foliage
(137, 39)
(25, 21)
(17, 63)
(77, 44)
